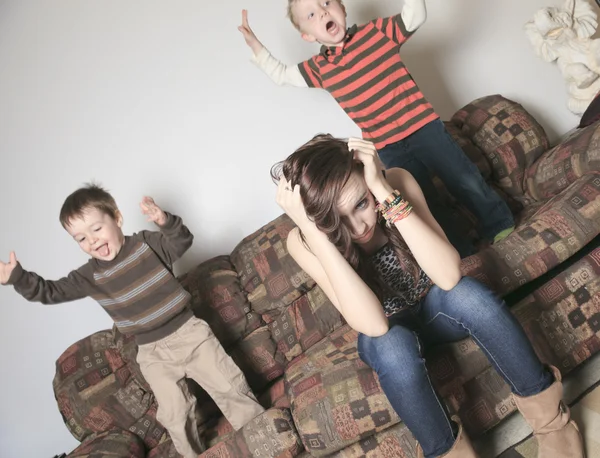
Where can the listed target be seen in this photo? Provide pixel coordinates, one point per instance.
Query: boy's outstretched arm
(35, 289)
(414, 14)
(279, 72)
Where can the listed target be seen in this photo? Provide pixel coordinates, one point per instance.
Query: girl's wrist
(382, 191)
(310, 229)
(312, 233)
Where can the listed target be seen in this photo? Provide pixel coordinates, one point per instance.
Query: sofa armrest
(116, 443)
(510, 138)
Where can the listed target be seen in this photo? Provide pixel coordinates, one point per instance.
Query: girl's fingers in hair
(357, 140)
(282, 183)
(282, 191)
(364, 149)
(363, 156)
(296, 193)
(360, 142)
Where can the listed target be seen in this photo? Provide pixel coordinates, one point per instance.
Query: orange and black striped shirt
(371, 83)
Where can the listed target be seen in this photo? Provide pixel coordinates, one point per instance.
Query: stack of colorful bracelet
(394, 208)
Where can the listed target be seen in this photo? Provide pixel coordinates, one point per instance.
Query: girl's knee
(399, 346)
(472, 297)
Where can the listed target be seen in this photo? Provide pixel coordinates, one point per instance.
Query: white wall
(159, 98)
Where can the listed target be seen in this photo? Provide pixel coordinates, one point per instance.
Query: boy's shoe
(503, 234)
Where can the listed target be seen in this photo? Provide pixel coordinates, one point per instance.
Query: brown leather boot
(558, 436)
(462, 447)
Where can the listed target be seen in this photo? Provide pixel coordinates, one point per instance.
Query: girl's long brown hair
(321, 168)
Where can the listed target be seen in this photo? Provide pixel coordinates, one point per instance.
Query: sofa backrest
(510, 138)
(575, 156)
(296, 311)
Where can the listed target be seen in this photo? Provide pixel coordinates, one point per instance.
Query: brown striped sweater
(137, 288)
(368, 79)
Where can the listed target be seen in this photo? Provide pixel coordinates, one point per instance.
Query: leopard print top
(409, 288)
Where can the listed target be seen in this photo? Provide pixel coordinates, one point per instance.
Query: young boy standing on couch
(131, 278)
(362, 69)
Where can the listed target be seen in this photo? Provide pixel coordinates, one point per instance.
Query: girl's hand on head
(152, 211)
(365, 152)
(291, 203)
(7, 268)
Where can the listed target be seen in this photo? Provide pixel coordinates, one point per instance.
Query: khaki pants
(194, 351)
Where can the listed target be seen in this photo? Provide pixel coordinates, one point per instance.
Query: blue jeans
(469, 309)
(432, 149)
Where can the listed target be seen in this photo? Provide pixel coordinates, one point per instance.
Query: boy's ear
(119, 218)
(308, 37)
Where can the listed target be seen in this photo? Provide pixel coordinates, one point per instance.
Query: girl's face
(356, 206)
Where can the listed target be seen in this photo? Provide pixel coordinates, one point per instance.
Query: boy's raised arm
(174, 238)
(279, 72)
(414, 14)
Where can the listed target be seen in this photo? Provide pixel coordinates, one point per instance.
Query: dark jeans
(432, 149)
(469, 309)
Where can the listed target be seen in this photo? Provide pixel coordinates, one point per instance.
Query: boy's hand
(249, 36)
(153, 211)
(7, 268)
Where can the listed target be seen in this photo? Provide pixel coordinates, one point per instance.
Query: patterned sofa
(300, 357)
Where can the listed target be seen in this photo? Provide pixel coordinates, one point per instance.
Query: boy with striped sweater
(362, 69)
(131, 278)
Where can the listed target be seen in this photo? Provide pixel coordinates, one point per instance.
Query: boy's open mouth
(331, 26)
(103, 250)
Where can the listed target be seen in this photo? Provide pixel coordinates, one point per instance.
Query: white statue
(564, 35)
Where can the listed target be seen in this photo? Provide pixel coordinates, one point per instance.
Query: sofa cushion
(257, 356)
(508, 135)
(271, 434)
(575, 156)
(275, 396)
(268, 274)
(336, 399)
(218, 298)
(557, 230)
(304, 323)
(114, 443)
(396, 441)
(165, 449)
(562, 317)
